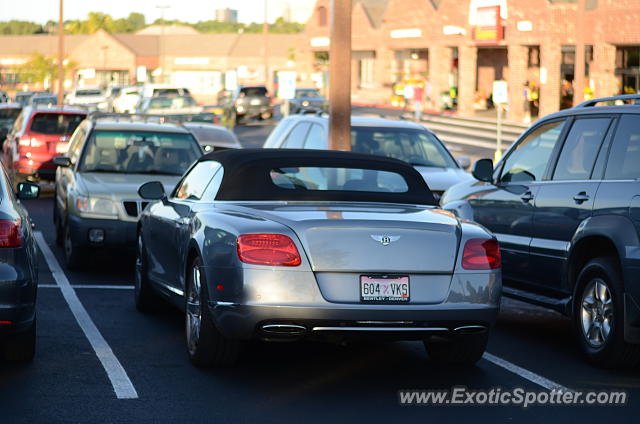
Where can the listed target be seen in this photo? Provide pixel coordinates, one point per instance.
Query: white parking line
(524, 373)
(117, 375)
(88, 286)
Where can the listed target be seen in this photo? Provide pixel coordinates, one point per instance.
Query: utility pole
(265, 56)
(162, 58)
(579, 66)
(340, 76)
(60, 56)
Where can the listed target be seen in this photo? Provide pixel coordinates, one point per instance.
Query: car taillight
(481, 254)
(268, 249)
(28, 141)
(10, 234)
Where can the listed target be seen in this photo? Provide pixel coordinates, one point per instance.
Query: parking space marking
(524, 373)
(88, 286)
(122, 385)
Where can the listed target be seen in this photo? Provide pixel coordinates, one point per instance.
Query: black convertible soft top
(247, 175)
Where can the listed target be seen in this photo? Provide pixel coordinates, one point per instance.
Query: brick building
(467, 44)
(201, 62)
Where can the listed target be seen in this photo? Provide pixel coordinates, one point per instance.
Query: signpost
(500, 99)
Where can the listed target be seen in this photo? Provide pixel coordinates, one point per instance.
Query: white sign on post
(500, 98)
(287, 84)
(500, 92)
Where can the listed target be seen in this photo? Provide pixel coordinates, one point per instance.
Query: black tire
(72, 256)
(611, 351)
(145, 299)
(57, 222)
(459, 350)
(208, 348)
(21, 347)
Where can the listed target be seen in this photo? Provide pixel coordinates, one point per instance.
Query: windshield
(56, 123)
(307, 93)
(139, 152)
(86, 93)
(419, 148)
(8, 117)
(254, 91)
(45, 100)
(170, 102)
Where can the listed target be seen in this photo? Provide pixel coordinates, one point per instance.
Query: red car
(38, 135)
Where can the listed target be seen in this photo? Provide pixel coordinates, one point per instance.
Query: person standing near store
(418, 95)
(408, 94)
(526, 94)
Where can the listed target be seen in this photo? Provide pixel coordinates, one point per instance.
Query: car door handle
(581, 197)
(527, 197)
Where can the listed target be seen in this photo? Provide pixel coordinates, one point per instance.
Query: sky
(41, 11)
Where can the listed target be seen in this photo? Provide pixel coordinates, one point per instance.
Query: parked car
(404, 140)
(127, 100)
(37, 136)
(22, 97)
(9, 112)
(43, 99)
(213, 137)
(564, 203)
(168, 105)
(88, 97)
(248, 102)
(294, 244)
(96, 204)
(307, 99)
(19, 273)
(110, 95)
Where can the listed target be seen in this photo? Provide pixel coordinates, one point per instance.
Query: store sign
(488, 30)
(406, 33)
(319, 42)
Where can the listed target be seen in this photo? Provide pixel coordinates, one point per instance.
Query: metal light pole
(265, 35)
(579, 67)
(60, 56)
(162, 59)
(340, 76)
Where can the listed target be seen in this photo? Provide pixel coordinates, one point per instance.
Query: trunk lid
(371, 238)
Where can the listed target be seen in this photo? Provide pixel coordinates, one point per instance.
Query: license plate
(255, 102)
(61, 147)
(384, 288)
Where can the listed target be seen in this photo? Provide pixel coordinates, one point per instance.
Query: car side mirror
(464, 162)
(153, 190)
(28, 190)
(483, 170)
(62, 161)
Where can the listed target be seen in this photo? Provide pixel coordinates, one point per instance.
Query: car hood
(440, 179)
(119, 186)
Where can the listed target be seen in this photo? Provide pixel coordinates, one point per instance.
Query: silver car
(96, 200)
(291, 244)
(404, 140)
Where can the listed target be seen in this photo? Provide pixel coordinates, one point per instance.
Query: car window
(338, 179)
(417, 147)
(528, 161)
(214, 185)
(139, 152)
(75, 144)
(8, 116)
(195, 183)
(254, 91)
(624, 159)
(316, 139)
(277, 133)
(302, 93)
(581, 148)
(56, 123)
(296, 137)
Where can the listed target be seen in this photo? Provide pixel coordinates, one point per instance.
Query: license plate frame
(390, 289)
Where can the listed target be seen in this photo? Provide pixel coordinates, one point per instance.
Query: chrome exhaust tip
(470, 329)
(291, 330)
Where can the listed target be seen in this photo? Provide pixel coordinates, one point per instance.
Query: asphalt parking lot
(139, 371)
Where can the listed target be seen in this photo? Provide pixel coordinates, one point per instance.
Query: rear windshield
(169, 91)
(56, 123)
(81, 93)
(171, 102)
(139, 152)
(311, 92)
(417, 147)
(49, 100)
(339, 179)
(254, 91)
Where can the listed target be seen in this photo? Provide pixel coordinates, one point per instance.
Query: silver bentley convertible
(293, 244)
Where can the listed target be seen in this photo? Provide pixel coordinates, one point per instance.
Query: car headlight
(305, 103)
(96, 206)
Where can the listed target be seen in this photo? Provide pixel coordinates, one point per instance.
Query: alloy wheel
(596, 313)
(193, 310)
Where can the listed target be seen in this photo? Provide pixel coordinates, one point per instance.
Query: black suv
(248, 102)
(564, 203)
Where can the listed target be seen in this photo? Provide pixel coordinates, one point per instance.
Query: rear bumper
(17, 300)
(116, 233)
(253, 111)
(262, 322)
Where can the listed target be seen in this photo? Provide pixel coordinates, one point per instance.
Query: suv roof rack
(622, 97)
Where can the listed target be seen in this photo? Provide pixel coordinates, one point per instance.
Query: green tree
(15, 27)
(39, 68)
